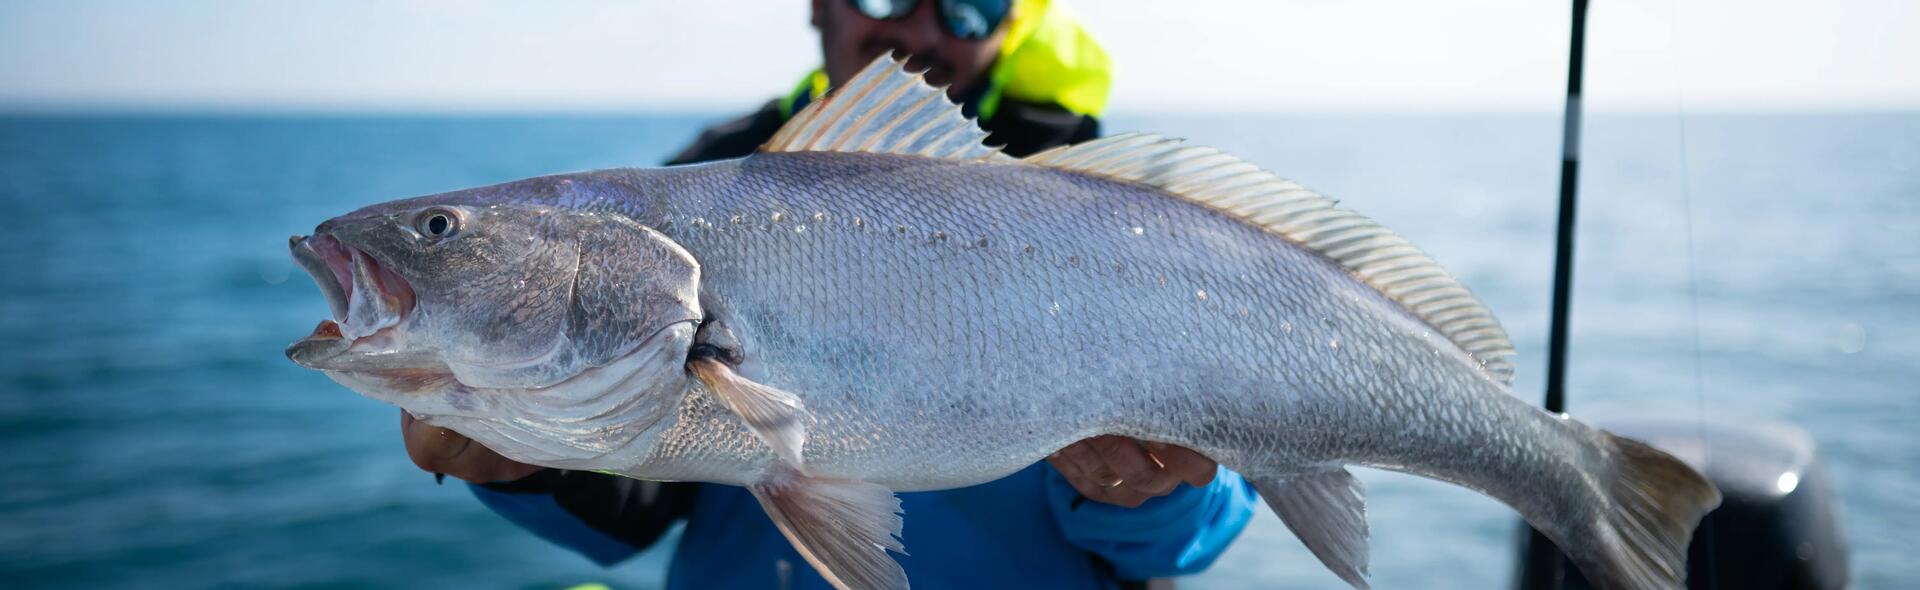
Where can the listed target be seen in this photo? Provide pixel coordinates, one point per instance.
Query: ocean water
(1729, 268)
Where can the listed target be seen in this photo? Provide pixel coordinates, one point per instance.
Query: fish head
(529, 324)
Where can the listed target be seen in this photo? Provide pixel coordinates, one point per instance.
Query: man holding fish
(872, 311)
(1104, 512)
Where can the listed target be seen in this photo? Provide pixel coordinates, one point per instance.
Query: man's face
(850, 40)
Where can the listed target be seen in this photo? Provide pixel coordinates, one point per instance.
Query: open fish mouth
(369, 303)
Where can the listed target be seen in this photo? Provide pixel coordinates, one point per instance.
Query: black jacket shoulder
(1023, 129)
(732, 139)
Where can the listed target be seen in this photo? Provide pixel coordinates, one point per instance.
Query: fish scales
(908, 339)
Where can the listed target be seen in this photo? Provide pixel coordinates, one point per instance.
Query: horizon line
(50, 110)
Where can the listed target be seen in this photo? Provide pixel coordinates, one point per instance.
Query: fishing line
(1705, 535)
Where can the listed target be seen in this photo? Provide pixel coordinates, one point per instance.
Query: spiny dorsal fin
(1389, 263)
(885, 110)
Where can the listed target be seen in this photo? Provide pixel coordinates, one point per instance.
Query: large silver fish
(876, 302)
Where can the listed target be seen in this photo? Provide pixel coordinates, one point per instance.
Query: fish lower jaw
(328, 346)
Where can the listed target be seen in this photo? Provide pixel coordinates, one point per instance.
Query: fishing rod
(1542, 569)
(1563, 252)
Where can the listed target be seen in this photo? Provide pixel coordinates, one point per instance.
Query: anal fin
(774, 415)
(844, 528)
(1328, 512)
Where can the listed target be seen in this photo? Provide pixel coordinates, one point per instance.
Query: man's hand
(438, 450)
(1125, 472)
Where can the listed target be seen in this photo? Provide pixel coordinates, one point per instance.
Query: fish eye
(437, 223)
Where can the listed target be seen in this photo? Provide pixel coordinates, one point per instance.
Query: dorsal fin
(1224, 183)
(885, 110)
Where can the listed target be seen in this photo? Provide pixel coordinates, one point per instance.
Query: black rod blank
(1563, 252)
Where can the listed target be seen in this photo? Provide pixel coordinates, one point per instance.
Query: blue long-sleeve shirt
(1019, 531)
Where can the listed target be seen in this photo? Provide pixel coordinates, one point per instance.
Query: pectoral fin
(1328, 512)
(776, 416)
(844, 528)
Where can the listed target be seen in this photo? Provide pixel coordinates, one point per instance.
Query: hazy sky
(1280, 55)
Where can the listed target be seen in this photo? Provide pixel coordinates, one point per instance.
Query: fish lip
(334, 266)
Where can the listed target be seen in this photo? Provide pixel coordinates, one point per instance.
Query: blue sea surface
(1730, 268)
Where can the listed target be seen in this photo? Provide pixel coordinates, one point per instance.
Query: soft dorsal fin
(1224, 183)
(886, 110)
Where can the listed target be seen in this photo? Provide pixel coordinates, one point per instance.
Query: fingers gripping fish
(876, 302)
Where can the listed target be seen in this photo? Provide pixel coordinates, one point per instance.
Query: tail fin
(1657, 502)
